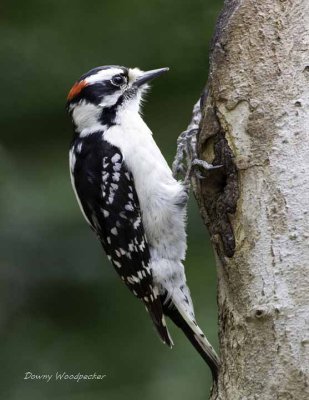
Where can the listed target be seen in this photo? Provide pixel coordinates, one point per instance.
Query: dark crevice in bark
(218, 192)
(220, 188)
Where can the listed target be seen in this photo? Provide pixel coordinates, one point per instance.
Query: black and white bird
(129, 197)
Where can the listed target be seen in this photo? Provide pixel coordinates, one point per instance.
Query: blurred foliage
(62, 306)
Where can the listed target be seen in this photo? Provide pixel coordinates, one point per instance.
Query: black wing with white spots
(106, 192)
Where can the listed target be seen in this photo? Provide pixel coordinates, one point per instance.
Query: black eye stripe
(95, 92)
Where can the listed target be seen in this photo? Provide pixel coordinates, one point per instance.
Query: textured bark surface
(256, 207)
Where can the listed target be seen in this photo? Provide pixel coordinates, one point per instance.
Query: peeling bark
(256, 124)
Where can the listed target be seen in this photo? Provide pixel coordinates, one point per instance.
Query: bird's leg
(186, 161)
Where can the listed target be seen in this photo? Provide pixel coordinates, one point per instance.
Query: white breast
(157, 190)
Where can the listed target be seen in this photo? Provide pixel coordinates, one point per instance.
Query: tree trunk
(255, 123)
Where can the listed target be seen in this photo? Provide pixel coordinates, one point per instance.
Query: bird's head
(97, 99)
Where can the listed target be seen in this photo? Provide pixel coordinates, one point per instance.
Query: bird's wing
(109, 200)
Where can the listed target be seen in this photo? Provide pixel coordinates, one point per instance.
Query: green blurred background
(62, 306)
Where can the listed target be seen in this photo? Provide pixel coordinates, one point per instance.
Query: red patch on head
(76, 89)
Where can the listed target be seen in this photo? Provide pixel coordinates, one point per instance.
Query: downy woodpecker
(129, 197)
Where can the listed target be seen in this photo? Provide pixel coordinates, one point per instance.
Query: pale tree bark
(256, 124)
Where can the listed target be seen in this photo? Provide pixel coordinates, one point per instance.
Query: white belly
(158, 192)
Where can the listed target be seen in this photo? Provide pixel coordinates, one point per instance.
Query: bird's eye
(119, 80)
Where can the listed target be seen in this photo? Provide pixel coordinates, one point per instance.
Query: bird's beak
(149, 75)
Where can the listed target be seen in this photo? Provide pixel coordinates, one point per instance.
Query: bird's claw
(195, 167)
(205, 165)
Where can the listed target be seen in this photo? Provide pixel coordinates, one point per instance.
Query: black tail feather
(156, 314)
(196, 337)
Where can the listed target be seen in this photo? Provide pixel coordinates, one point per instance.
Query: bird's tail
(156, 313)
(189, 327)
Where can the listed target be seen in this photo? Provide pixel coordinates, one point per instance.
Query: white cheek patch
(110, 100)
(104, 74)
(86, 115)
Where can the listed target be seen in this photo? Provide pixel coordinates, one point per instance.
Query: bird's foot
(186, 162)
(199, 165)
